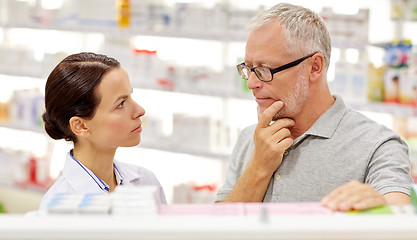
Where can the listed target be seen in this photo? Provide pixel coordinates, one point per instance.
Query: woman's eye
(121, 104)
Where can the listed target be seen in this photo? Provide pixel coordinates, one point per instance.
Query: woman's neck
(99, 161)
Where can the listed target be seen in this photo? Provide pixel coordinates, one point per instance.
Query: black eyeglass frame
(272, 70)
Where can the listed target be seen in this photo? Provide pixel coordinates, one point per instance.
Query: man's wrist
(260, 172)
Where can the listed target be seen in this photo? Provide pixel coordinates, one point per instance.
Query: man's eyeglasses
(265, 74)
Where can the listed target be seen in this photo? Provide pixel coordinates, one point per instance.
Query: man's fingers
(281, 134)
(267, 115)
(368, 203)
(286, 143)
(353, 196)
(282, 123)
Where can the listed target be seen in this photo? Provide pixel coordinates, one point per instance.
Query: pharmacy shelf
(112, 31)
(173, 148)
(169, 146)
(27, 186)
(201, 92)
(395, 109)
(206, 92)
(16, 199)
(22, 128)
(21, 72)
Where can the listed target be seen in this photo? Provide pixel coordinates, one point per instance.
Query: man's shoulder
(244, 144)
(248, 130)
(246, 135)
(352, 120)
(354, 117)
(357, 123)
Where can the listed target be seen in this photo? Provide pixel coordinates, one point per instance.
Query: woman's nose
(139, 111)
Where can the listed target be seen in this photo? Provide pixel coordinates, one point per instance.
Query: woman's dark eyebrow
(120, 97)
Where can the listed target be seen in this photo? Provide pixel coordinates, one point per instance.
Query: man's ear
(79, 127)
(317, 67)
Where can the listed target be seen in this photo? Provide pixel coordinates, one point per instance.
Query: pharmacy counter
(335, 226)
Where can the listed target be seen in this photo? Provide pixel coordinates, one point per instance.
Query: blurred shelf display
(202, 104)
(87, 26)
(19, 199)
(111, 31)
(186, 150)
(395, 109)
(22, 128)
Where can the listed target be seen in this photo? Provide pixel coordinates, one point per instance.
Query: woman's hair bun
(52, 128)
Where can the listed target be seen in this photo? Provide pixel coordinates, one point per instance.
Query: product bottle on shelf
(340, 85)
(358, 78)
(400, 82)
(376, 83)
(123, 13)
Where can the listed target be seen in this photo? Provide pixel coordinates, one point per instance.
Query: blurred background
(181, 58)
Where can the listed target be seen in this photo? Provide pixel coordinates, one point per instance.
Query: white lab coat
(76, 178)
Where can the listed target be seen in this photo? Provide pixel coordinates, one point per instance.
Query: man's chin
(276, 117)
(280, 114)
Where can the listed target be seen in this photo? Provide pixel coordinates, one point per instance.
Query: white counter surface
(338, 226)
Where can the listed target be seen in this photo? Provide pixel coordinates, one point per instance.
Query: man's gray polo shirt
(342, 145)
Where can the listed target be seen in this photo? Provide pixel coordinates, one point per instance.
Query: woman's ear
(317, 67)
(79, 127)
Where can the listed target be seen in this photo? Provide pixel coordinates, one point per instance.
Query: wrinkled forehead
(267, 43)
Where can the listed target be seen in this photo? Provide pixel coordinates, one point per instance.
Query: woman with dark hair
(88, 102)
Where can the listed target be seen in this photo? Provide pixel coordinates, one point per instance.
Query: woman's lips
(137, 130)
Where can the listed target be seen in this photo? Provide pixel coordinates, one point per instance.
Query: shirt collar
(83, 179)
(119, 179)
(128, 174)
(327, 123)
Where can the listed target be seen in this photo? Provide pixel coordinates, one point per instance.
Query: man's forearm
(251, 186)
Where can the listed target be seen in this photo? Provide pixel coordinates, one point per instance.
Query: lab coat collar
(128, 174)
(83, 180)
(119, 179)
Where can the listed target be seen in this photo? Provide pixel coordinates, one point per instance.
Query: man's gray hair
(304, 29)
